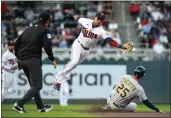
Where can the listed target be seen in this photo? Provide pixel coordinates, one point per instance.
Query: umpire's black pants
(33, 71)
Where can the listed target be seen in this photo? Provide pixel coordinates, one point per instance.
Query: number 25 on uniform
(122, 90)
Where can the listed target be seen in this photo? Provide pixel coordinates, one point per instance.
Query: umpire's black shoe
(18, 108)
(47, 108)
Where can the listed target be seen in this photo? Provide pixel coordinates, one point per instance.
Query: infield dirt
(115, 114)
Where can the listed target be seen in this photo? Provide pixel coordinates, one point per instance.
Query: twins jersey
(89, 36)
(126, 90)
(8, 60)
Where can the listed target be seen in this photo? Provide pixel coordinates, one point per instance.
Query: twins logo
(88, 34)
(12, 61)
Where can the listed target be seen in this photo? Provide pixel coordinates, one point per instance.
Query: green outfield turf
(59, 111)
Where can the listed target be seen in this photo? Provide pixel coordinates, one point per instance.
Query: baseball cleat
(106, 107)
(47, 108)
(57, 86)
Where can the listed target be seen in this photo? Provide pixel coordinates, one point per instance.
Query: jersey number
(49, 36)
(122, 90)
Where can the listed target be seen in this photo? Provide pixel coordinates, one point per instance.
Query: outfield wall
(93, 80)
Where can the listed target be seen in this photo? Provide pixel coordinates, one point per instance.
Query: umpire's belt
(85, 48)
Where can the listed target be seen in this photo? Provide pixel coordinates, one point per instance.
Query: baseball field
(84, 110)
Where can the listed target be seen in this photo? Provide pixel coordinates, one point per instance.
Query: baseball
(133, 49)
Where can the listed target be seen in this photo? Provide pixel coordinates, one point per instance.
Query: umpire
(28, 50)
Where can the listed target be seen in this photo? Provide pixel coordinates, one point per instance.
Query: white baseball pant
(78, 55)
(131, 107)
(64, 93)
(8, 80)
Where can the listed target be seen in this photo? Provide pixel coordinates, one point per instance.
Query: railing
(116, 54)
(106, 53)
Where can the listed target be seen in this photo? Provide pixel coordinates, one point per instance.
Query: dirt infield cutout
(110, 113)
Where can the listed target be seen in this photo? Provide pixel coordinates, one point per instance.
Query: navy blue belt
(9, 71)
(85, 48)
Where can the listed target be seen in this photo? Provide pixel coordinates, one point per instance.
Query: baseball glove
(129, 46)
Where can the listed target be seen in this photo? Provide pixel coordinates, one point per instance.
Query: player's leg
(75, 57)
(11, 82)
(61, 95)
(2, 87)
(3, 91)
(83, 56)
(111, 105)
(131, 107)
(5, 85)
(66, 93)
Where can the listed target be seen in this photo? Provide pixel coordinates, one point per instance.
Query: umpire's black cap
(44, 17)
(100, 16)
(11, 43)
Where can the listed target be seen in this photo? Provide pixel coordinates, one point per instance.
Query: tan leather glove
(129, 46)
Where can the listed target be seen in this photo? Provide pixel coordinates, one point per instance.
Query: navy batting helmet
(100, 16)
(11, 43)
(139, 71)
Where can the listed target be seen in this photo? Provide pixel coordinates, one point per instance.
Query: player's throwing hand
(67, 11)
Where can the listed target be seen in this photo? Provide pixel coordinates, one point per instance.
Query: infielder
(9, 65)
(92, 32)
(126, 90)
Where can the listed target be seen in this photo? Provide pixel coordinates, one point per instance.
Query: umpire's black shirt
(29, 44)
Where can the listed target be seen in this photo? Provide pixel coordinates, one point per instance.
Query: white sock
(65, 98)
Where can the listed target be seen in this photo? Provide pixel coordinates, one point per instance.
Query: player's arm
(79, 20)
(128, 46)
(4, 61)
(150, 105)
(76, 17)
(113, 43)
(144, 99)
(47, 44)
(14, 67)
(110, 41)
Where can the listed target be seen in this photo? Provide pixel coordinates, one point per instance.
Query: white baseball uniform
(124, 92)
(64, 92)
(8, 60)
(88, 38)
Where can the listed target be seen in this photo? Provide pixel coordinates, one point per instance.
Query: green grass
(163, 107)
(59, 111)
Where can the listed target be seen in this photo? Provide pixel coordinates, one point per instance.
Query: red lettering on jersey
(88, 34)
(12, 61)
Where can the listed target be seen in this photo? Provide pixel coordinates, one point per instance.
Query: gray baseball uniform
(124, 92)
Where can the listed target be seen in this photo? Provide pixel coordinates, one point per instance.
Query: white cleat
(106, 107)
